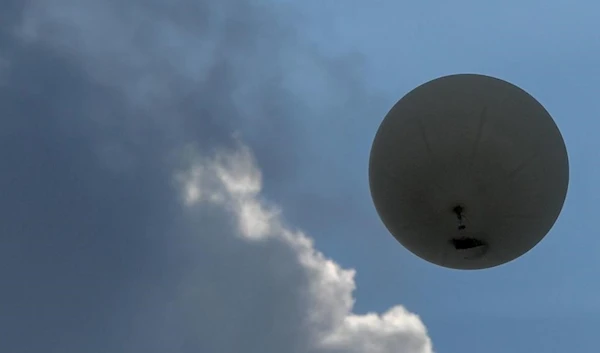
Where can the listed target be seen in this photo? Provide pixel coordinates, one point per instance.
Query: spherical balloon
(468, 171)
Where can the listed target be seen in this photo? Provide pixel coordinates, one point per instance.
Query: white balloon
(468, 171)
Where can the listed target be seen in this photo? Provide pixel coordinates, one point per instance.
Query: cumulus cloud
(132, 218)
(314, 285)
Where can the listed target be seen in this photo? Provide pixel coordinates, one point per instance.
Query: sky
(191, 176)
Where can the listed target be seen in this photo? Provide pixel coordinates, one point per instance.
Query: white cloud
(232, 181)
(235, 277)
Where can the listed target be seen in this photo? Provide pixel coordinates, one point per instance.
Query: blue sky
(166, 164)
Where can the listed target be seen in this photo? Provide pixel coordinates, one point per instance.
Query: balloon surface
(468, 171)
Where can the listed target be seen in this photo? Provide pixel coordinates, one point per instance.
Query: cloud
(300, 294)
(119, 237)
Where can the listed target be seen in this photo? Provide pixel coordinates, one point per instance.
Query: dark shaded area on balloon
(469, 248)
(464, 243)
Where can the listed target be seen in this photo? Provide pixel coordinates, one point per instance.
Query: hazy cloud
(120, 231)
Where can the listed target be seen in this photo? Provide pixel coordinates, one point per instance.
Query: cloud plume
(132, 218)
